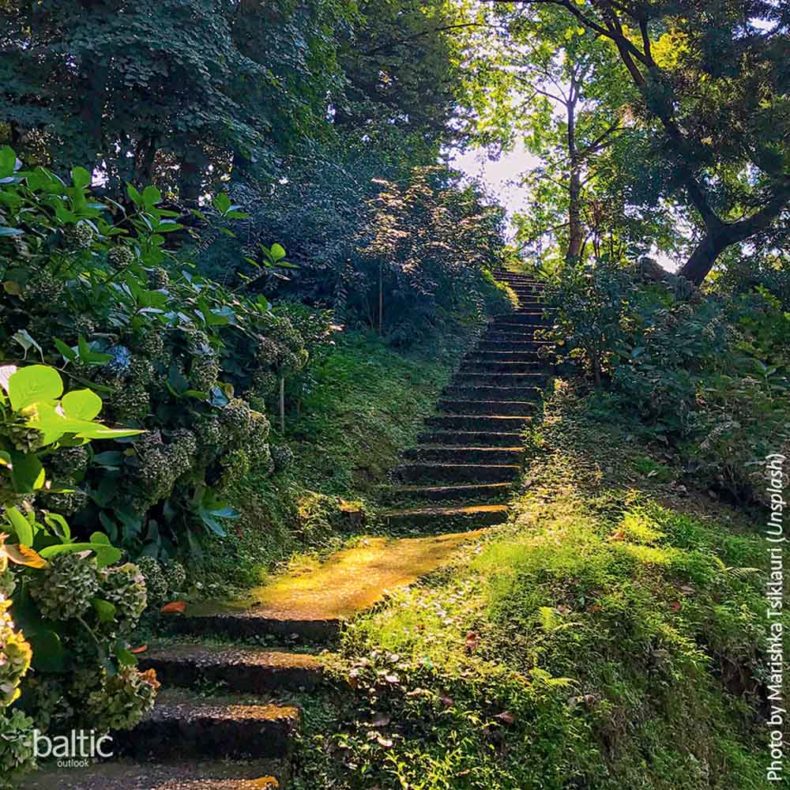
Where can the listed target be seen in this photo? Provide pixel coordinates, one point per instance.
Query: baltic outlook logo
(77, 750)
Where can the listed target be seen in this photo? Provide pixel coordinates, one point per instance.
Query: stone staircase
(460, 473)
(456, 479)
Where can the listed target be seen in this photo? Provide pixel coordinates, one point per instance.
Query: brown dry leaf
(174, 607)
(472, 641)
(138, 650)
(506, 717)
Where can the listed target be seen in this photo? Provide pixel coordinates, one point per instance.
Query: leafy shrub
(94, 287)
(704, 372)
(74, 608)
(590, 304)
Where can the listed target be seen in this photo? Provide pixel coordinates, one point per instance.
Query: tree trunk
(575, 229)
(720, 235)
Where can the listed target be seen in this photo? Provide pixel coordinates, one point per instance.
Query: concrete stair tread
(448, 511)
(172, 775)
(227, 726)
(170, 706)
(451, 492)
(241, 669)
(485, 439)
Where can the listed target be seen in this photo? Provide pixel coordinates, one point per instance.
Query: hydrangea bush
(67, 608)
(96, 288)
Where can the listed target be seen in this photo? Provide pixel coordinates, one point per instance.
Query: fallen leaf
(138, 650)
(381, 720)
(267, 783)
(174, 607)
(506, 717)
(675, 606)
(472, 641)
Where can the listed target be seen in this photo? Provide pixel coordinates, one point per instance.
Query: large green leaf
(105, 554)
(20, 525)
(81, 404)
(33, 384)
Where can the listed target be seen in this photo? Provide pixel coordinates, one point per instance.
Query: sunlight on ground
(354, 579)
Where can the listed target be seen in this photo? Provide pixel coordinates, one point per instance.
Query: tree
(710, 81)
(166, 91)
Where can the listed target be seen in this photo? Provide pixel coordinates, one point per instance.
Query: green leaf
(277, 251)
(67, 352)
(34, 384)
(134, 195)
(105, 555)
(125, 657)
(6, 231)
(27, 473)
(80, 177)
(105, 610)
(221, 202)
(20, 525)
(7, 161)
(49, 655)
(81, 404)
(151, 196)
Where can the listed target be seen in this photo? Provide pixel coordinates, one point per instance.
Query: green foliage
(601, 637)
(75, 606)
(431, 245)
(704, 372)
(94, 288)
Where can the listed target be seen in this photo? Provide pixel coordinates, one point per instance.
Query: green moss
(610, 636)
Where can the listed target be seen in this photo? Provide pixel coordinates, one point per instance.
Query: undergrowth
(363, 404)
(609, 636)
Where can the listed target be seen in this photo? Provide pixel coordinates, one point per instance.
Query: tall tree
(712, 81)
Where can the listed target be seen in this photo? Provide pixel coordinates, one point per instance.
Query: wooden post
(381, 298)
(282, 405)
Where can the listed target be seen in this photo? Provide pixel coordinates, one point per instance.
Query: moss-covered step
(499, 407)
(456, 473)
(446, 518)
(492, 392)
(519, 320)
(472, 438)
(455, 454)
(533, 379)
(481, 492)
(176, 775)
(314, 602)
(489, 365)
(239, 669)
(183, 725)
(478, 422)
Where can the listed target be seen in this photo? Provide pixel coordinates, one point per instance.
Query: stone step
(535, 375)
(525, 335)
(464, 379)
(492, 407)
(251, 624)
(181, 725)
(465, 455)
(170, 775)
(456, 473)
(483, 492)
(526, 318)
(492, 392)
(503, 423)
(472, 438)
(244, 670)
(523, 342)
(447, 519)
(492, 368)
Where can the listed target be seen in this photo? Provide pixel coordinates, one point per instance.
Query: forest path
(262, 653)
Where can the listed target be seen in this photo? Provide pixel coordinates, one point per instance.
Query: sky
(500, 176)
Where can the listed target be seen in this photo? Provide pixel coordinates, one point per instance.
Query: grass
(361, 403)
(611, 635)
